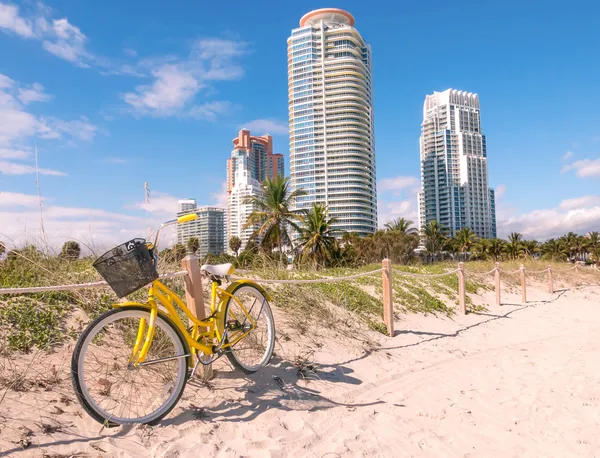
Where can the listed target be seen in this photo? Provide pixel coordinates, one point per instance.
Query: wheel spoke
(114, 389)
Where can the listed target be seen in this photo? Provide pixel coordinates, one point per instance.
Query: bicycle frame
(216, 328)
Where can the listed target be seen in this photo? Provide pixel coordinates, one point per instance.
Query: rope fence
(95, 284)
(311, 281)
(193, 283)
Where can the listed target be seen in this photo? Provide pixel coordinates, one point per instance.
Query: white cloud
(115, 160)
(579, 202)
(584, 168)
(213, 59)
(12, 168)
(220, 199)
(397, 184)
(567, 155)
(5, 81)
(67, 42)
(172, 89)
(387, 211)
(544, 224)
(177, 82)
(15, 199)
(14, 122)
(78, 128)
(269, 126)
(210, 110)
(11, 21)
(35, 93)
(159, 203)
(405, 208)
(10, 153)
(130, 52)
(500, 191)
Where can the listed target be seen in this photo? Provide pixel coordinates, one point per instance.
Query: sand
(517, 380)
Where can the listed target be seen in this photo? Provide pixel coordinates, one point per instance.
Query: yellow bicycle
(131, 364)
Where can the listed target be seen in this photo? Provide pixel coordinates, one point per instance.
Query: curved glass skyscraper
(332, 142)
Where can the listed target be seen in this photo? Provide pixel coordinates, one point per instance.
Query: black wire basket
(127, 267)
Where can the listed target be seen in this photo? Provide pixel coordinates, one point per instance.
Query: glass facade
(332, 143)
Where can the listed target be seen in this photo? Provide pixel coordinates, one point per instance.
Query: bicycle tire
(230, 352)
(77, 372)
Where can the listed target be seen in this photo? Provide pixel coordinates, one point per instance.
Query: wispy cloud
(12, 168)
(172, 89)
(579, 202)
(10, 153)
(92, 227)
(269, 126)
(500, 191)
(177, 82)
(547, 223)
(210, 110)
(397, 184)
(78, 128)
(159, 203)
(15, 199)
(567, 155)
(584, 168)
(114, 160)
(12, 22)
(34, 93)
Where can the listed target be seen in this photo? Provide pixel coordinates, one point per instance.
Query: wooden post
(462, 305)
(497, 281)
(388, 302)
(523, 286)
(550, 286)
(194, 298)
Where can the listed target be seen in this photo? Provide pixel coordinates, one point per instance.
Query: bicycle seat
(218, 270)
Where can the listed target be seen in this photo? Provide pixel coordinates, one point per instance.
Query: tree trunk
(280, 246)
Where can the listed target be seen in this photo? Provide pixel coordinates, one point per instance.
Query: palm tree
(594, 243)
(581, 247)
(402, 225)
(317, 241)
(235, 243)
(464, 240)
(2, 249)
(496, 248)
(514, 247)
(531, 247)
(435, 237)
(193, 244)
(273, 212)
(569, 243)
(553, 248)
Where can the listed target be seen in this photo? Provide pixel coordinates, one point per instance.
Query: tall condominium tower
(251, 162)
(332, 141)
(454, 173)
(208, 227)
(258, 153)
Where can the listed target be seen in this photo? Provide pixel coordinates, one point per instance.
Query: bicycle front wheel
(113, 391)
(251, 346)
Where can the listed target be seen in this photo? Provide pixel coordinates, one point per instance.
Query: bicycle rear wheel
(254, 350)
(111, 390)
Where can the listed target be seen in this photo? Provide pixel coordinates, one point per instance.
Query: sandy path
(515, 381)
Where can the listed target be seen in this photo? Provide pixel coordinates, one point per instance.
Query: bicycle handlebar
(179, 220)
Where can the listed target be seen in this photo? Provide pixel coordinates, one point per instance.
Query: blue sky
(116, 94)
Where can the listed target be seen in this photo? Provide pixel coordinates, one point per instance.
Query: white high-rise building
(454, 174)
(209, 227)
(332, 141)
(239, 210)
